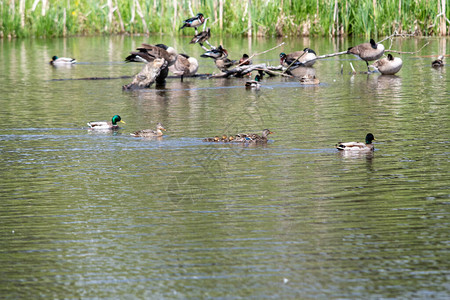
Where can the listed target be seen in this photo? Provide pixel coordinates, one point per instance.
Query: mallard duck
(62, 60)
(388, 65)
(253, 84)
(306, 58)
(367, 51)
(104, 125)
(194, 21)
(216, 53)
(148, 53)
(253, 137)
(184, 66)
(356, 146)
(213, 139)
(201, 37)
(149, 132)
(309, 80)
(439, 62)
(245, 60)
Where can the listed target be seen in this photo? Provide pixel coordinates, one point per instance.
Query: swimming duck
(367, 51)
(309, 79)
(253, 137)
(306, 58)
(245, 60)
(216, 53)
(355, 146)
(439, 62)
(253, 84)
(201, 37)
(62, 60)
(148, 53)
(388, 65)
(149, 132)
(184, 66)
(104, 125)
(213, 139)
(194, 21)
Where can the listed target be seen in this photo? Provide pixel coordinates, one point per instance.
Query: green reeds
(263, 17)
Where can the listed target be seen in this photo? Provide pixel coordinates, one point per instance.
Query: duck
(439, 62)
(367, 51)
(224, 64)
(309, 79)
(201, 37)
(305, 58)
(253, 137)
(216, 53)
(388, 65)
(149, 132)
(185, 65)
(194, 21)
(213, 139)
(104, 125)
(253, 84)
(148, 53)
(356, 146)
(62, 60)
(245, 60)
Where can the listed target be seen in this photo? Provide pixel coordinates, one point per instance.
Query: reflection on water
(116, 216)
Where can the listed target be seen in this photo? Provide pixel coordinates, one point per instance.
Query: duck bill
(122, 122)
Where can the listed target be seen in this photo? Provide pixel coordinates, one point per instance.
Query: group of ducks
(252, 138)
(242, 138)
(112, 125)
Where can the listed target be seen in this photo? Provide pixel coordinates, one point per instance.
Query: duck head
(282, 57)
(266, 132)
(370, 138)
(115, 119)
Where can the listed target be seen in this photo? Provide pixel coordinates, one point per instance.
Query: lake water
(86, 215)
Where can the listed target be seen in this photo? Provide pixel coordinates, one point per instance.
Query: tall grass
(268, 17)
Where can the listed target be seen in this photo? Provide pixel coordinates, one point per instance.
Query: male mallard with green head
(149, 132)
(104, 125)
(356, 146)
(253, 84)
(62, 60)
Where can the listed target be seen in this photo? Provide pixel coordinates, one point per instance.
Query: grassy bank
(47, 18)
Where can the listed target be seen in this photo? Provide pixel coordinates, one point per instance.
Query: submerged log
(155, 71)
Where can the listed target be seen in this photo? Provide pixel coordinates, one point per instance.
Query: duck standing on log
(148, 53)
(305, 58)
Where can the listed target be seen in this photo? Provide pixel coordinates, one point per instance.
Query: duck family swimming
(242, 138)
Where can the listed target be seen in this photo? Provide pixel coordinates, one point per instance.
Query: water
(87, 215)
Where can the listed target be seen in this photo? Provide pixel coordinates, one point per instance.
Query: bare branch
(256, 54)
(401, 52)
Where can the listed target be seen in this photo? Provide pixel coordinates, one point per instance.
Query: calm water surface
(87, 215)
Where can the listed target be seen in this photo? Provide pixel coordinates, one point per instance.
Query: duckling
(194, 21)
(439, 62)
(148, 53)
(306, 58)
(367, 51)
(355, 146)
(149, 132)
(224, 138)
(388, 65)
(201, 37)
(253, 84)
(62, 60)
(213, 139)
(104, 125)
(184, 66)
